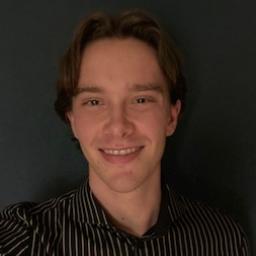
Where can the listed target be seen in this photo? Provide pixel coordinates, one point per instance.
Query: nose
(118, 124)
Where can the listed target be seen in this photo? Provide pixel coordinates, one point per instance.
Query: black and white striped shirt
(75, 225)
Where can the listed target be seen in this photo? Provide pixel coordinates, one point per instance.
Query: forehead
(120, 61)
(118, 47)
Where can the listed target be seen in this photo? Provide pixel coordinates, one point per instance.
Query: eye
(92, 102)
(141, 100)
(144, 99)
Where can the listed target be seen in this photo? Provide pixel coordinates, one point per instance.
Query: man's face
(121, 114)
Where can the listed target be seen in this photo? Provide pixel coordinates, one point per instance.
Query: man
(121, 91)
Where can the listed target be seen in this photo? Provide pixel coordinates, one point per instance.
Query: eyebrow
(147, 87)
(88, 88)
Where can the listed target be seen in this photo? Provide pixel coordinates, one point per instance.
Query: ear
(71, 118)
(173, 117)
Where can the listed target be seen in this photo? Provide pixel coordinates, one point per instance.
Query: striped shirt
(75, 225)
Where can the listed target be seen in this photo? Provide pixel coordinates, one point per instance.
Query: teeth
(120, 152)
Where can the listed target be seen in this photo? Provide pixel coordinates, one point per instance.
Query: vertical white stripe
(159, 248)
(112, 244)
(64, 228)
(193, 242)
(119, 247)
(146, 248)
(99, 239)
(225, 249)
(152, 248)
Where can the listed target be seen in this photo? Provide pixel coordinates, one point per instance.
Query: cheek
(84, 128)
(154, 125)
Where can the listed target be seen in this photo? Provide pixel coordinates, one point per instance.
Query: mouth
(120, 155)
(121, 151)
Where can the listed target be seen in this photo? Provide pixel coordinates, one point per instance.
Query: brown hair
(133, 23)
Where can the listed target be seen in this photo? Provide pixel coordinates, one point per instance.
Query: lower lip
(121, 159)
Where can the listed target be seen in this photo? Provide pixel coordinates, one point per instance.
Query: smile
(121, 151)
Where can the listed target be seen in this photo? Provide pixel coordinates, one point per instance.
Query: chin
(123, 178)
(128, 182)
(123, 187)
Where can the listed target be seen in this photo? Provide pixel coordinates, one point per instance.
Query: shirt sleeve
(15, 230)
(244, 247)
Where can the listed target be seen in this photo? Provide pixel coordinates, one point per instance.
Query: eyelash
(90, 102)
(145, 100)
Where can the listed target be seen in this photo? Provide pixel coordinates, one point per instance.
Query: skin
(121, 117)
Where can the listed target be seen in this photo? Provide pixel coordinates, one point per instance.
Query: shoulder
(55, 205)
(209, 217)
(214, 226)
(20, 222)
(15, 228)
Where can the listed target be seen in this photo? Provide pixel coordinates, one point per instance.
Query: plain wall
(212, 156)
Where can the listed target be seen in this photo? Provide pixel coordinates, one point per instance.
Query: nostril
(119, 125)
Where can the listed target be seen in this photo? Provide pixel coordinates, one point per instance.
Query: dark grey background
(212, 157)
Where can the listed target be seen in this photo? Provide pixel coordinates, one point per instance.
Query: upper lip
(121, 148)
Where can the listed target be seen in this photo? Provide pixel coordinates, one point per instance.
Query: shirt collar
(86, 207)
(171, 209)
(88, 210)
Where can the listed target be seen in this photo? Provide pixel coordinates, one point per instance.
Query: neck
(135, 211)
